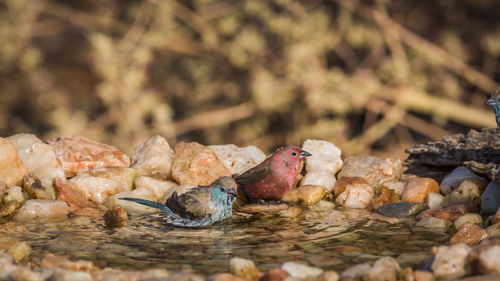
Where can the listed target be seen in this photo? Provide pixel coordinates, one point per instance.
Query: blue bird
(494, 102)
(200, 206)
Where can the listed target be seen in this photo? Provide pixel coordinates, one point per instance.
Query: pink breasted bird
(275, 176)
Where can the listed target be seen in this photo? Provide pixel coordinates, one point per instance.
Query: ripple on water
(330, 239)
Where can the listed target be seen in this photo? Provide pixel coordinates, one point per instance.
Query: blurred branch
(420, 44)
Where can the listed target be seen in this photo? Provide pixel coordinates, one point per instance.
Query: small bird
(275, 176)
(200, 206)
(494, 102)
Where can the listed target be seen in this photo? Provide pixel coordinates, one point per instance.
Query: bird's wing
(194, 204)
(257, 173)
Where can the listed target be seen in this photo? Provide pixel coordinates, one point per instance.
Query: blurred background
(374, 77)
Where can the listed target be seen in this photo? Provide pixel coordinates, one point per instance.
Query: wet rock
(116, 216)
(434, 223)
(6, 266)
(299, 270)
(355, 271)
(321, 178)
(158, 188)
(383, 196)
(322, 205)
(489, 263)
(435, 200)
(153, 158)
(450, 261)
(3, 188)
(238, 159)
(123, 176)
(132, 207)
(467, 193)
(344, 182)
(262, 208)
(496, 217)
(93, 189)
(14, 193)
(9, 208)
(244, 268)
(61, 274)
(455, 178)
(12, 169)
(79, 265)
(396, 186)
(225, 277)
(276, 274)
(328, 276)
(423, 276)
(305, 194)
(490, 199)
(401, 209)
(19, 250)
(355, 196)
(195, 164)
(38, 157)
(373, 170)
(384, 269)
(450, 213)
(50, 260)
(469, 233)
(494, 230)
(25, 274)
(468, 218)
(42, 210)
(291, 212)
(66, 193)
(36, 190)
(76, 153)
(418, 189)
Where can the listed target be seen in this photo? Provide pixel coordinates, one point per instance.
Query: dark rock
(116, 217)
(402, 209)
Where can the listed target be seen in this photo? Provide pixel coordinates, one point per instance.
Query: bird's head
(494, 100)
(291, 155)
(224, 190)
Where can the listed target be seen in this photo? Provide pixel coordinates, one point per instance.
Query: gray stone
(402, 209)
(434, 223)
(455, 178)
(490, 199)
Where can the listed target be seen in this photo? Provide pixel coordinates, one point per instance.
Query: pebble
(455, 178)
(450, 261)
(6, 266)
(373, 170)
(435, 200)
(36, 190)
(344, 182)
(93, 189)
(50, 260)
(490, 199)
(468, 193)
(469, 233)
(19, 251)
(116, 216)
(77, 153)
(401, 209)
(123, 176)
(305, 194)
(9, 208)
(434, 223)
(238, 159)
(323, 164)
(276, 274)
(450, 213)
(61, 274)
(489, 261)
(494, 230)
(496, 217)
(356, 271)
(384, 269)
(262, 208)
(300, 270)
(194, 164)
(396, 186)
(355, 196)
(383, 196)
(418, 189)
(42, 210)
(14, 193)
(321, 178)
(153, 158)
(160, 189)
(66, 193)
(25, 274)
(244, 268)
(12, 169)
(329, 275)
(225, 277)
(468, 218)
(421, 275)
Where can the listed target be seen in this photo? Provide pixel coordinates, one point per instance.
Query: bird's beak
(304, 154)
(490, 102)
(232, 192)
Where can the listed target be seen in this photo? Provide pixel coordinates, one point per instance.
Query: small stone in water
(14, 193)
(435, 200)
(328, 276)
(490, 199)
(276, 274)
(421, 275)
(433, 223)
(299, 270)
(238, 159)
(451, 261)
(321, 178)
(9, 208)
(469, 233)
(153, 158)
(355, 271)
(116, 217)
(93, 189)
(494, 230)
(123, 176)
(244, 268)
(42, 210)
(25, 274)
(12, 169)
(373, 169)
(36, 190)
(418, 189)
(384, 269)
(262, 208)
(455, 178)
(468, 218)
(305, 194)
(19, 250)
(401, 209)
(355, 196)
(383, 196)
(224, 277)
(449, 213)
(344, 182)
(50, 260)
(489, 263)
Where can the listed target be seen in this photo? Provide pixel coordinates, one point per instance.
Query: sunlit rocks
(116, 216)
(468, 193)
(38, 157)
(42, 210)
(450, 213)
(435, 200)
(61, 274)
(384, 269)
(25, 274)
(93, 189)
(355, 196)
(434, 223)
(14, 193)
(322, 178)
(275, 274)
(489, 261)
(455, 178)
(244, 268)
(9, 208)
(450, 261)
(77, 153)
(329, 275)
(382, 196)
(153, 158)
(418, 189)
(68, 194)
(469, 233)
(355, 272)
(490, 199)
(225, 277)
(19, 250)
(323, 164)
(343, 182)
(305, 194)
(494, 230)
(373, 170)
(132, 207)
(195, 164)
(123, 176)
(262, 208)
(300, 270)
(158, 188)
(6, 266)
(401, 209)
(50, 260)
(468, 218)
(12, 169)
(35, 188)
(238, 159)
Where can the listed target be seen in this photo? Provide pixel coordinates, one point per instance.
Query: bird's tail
(152, 204)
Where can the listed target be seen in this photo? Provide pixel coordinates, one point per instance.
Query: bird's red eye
(498, 99)
(221, 189)
(294, 153)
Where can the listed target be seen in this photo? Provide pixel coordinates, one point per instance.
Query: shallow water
(332, 239)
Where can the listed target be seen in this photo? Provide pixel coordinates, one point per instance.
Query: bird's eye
(294, 153)
(221, 189)
(498, 99)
